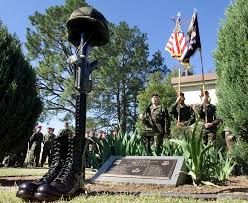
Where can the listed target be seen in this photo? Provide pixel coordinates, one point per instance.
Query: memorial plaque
(141, 169)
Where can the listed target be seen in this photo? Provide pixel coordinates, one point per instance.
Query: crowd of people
(37, 155)
(41, 146)
(157, 119)
(101, 134)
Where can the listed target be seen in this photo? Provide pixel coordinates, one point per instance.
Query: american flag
(177, 42)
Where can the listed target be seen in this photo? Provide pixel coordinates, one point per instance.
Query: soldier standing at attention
(35, 142)
(207, 113)
(66, 132)
(157, 118)
(47, 147)
(183, 113)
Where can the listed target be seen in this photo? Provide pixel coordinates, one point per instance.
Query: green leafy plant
(123, 144)
(223, 167)
(204, 162)
(195, 153)
(171, 149)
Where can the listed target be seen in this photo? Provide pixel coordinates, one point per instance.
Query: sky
(151, 17)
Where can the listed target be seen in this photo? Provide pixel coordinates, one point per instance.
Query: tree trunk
(118, 108)
(134, 120)
(124, 109)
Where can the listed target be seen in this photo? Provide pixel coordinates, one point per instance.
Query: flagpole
(179, 91)
(186, 72)
(179, 70)
(203, 87)
(202, 70)
(175, 46)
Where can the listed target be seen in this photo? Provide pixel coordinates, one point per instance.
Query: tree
(124, 64)
(20, 105)
(160, 85)
(157, 64)
(48, 48)
(123, 73)
(232, 68)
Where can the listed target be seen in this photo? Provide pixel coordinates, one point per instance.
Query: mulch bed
(235, 184)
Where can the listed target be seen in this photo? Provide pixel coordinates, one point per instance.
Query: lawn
(7, 194)
(22, 171)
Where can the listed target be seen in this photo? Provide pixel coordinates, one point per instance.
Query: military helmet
(92, 23)
(155, 94)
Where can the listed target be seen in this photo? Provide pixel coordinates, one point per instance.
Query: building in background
(191, 87)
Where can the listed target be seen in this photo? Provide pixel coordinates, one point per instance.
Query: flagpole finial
(178, 14)
(173, 19)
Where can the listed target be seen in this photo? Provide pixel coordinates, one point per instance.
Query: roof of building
(194, 78)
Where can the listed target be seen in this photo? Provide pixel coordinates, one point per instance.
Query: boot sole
(49, 197)
(25, 194)
(46, 197)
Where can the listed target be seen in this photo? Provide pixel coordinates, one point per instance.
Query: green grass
(8, 196)
(22, 171)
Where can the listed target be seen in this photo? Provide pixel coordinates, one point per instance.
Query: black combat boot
(69, 181)
(60, 146)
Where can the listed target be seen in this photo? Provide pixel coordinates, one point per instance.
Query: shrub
(239, 153)
(231, 66)
(20, 105)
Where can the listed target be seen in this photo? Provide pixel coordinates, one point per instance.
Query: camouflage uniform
(157, 119)
(209, 134)
(35, 142)
(65, 132)
(187, 115)
(47, 148)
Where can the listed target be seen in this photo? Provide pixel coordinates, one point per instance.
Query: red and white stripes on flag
(176, 45)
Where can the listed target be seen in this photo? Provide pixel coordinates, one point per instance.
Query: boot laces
(66, 170)
(55, 160)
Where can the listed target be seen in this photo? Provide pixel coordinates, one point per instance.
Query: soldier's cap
(50, 128)
(155, 95)
(181, 94)
(227, 129)
(38, 126)
(206, 93)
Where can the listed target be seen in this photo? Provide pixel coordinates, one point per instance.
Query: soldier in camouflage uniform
(35, 142)
(47, 147)
(157, 118)
(183, 113)
(207, 113)
(66, 131)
